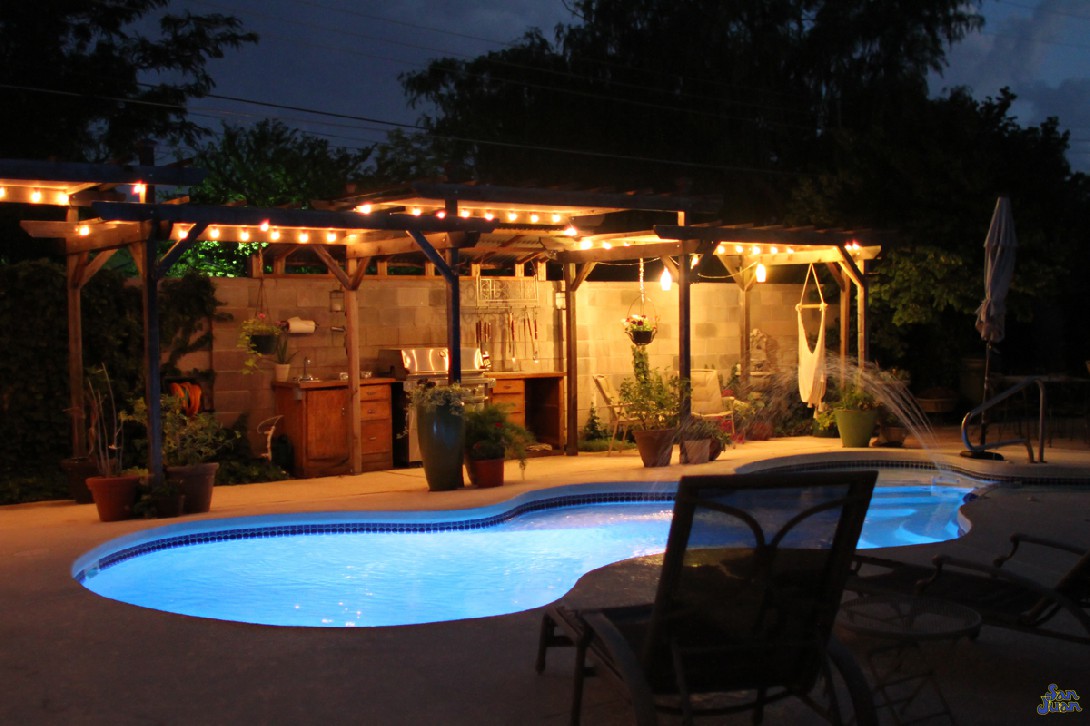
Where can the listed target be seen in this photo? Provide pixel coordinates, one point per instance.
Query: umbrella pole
(984, 413)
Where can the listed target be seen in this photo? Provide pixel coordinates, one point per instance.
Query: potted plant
(750, 419)
(114, 493)
(191, 442)
(283, 358)
(439, 411)
(696, 437)
(856, 413)
(653, 401)
(257, 336)
(490, 439)
(640, 329)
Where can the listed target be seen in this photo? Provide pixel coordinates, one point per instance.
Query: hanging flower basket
(641, 325)
(641, 337)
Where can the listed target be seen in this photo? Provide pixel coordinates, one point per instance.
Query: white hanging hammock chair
(811, 362)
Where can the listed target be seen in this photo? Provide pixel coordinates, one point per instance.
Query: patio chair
(1003, 599)
(619, 420)
(745, 605)
(708, 400)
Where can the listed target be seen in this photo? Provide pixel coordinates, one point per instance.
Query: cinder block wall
(411, 312)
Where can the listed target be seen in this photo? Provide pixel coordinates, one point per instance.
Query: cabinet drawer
(374, 410)
(375, 393)
(512, 403)
(376, 436)
(504, 386)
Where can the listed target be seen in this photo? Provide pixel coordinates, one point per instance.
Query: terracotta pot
(442, 436)
(486, 473)
(196, 482)
(114, 496)
(696, 452)
(656, 446)
(77, 470)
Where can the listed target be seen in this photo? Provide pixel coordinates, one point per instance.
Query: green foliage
(653, 399)
(854, 398)
(491, 435)
(434, 396)
(187, 307)
(260, 324)
(187, 440)
(92, 80)
(603, 445)
(593, 430)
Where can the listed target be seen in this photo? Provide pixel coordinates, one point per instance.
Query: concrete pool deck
(68, 656)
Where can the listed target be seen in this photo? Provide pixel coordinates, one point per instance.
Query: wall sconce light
(336, 301)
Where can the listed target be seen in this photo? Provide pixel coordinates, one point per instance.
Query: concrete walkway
(68, 656)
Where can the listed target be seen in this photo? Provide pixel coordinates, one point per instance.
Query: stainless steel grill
(423, 366)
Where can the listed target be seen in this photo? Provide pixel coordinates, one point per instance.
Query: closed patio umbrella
(999, 249)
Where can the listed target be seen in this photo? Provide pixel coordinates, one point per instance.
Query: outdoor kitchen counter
(535, 400)
(317, 424)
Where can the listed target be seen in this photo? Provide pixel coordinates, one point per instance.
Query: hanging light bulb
(364, 209)
(720, 249)
(556, 218)
(441, 214)
(584, 244)
(244, 236)
(83, 230)
(417, 211)
(738, 249)
(666, 280)
(464, 214)
(489, 216)
(694, 261)
(274, 235)
(138, 189)
(304, 237)
(512, 216)
(3, 192)
(36, 196)
(214, 233)
(761, 272)
(570, 231)
(330, 237)
(607, 246)
(265, 226)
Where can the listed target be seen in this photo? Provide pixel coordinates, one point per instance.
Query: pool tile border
(368, 527)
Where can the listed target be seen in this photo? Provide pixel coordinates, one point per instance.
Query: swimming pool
(365, 569)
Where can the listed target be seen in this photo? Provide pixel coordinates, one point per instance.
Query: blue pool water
(362, 569)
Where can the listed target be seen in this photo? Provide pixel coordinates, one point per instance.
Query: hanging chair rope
(811, 362)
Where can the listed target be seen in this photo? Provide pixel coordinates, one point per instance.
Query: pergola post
(571, 446)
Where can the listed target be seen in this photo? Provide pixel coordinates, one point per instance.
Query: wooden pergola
(447, 224)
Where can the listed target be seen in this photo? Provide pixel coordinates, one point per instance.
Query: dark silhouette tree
(86, 79)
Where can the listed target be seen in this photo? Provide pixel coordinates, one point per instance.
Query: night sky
(344, 56)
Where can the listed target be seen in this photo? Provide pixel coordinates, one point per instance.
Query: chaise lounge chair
(745, 604)
(1003, 599)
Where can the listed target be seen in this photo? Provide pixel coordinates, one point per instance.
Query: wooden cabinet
(511, 394)
(536, 401)
(317, 424)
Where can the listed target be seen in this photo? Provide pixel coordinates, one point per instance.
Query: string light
(755, 250)
(489, 216)
(182, 233)
(62, 199)
(607, 246)
(139, 189)
(303, 237)
(571, 231)
(330, 236)
(3, 192)
(364, 209)
(36, 196)
(774, 250)
(441, 214)
(214, 233)
(464, 214)
(83, 230)
(244, 235)
(556, 219)
(738, 249)
(274, 235)
(417, 211)
(264, 226)
(720, 249)
(534, 218)
(584, 244)
(512, 216)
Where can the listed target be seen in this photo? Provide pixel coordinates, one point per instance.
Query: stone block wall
(411, 312)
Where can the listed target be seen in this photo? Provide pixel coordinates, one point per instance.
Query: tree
(89, 84)
(932, 177)
(736, 96)
(266, 165)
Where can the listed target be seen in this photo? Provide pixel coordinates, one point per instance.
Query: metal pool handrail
(986, 405)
